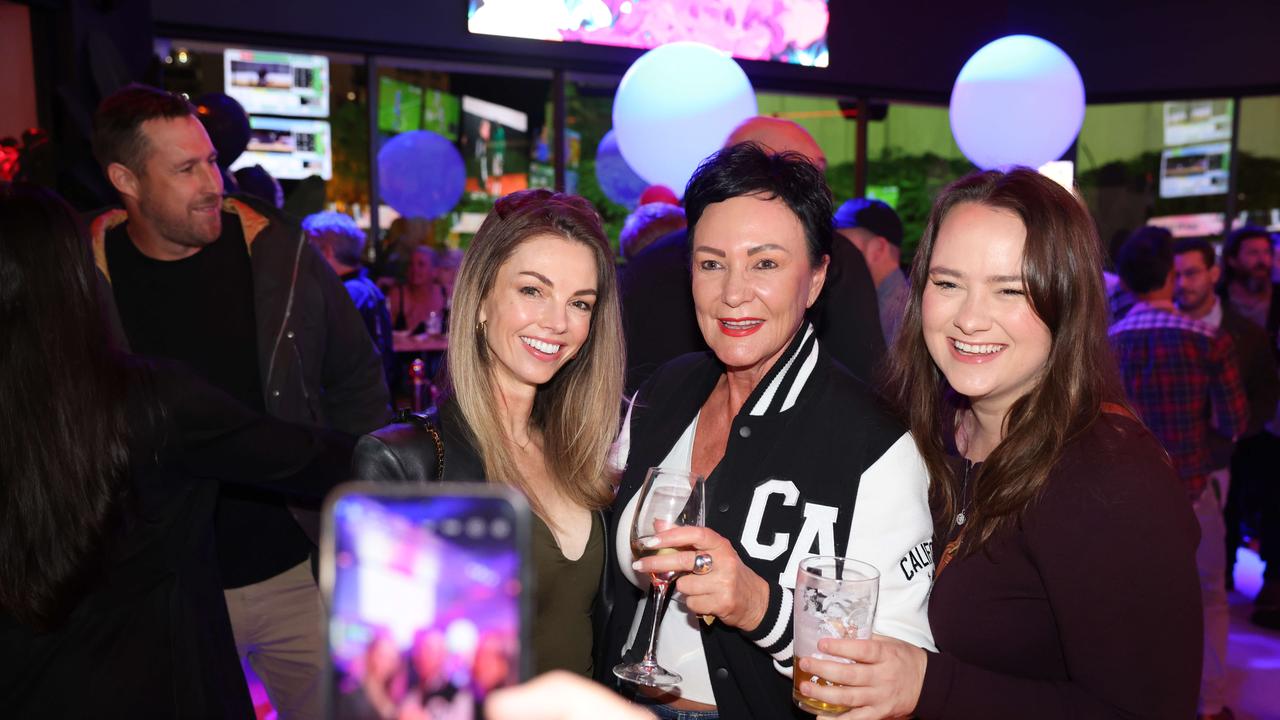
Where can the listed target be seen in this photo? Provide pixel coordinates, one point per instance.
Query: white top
(679, 640)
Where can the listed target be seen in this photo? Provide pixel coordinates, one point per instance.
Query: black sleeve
(848, 315)
(211, 435)
(1114, 541)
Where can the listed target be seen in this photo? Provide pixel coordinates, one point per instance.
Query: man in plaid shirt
(1182, 378)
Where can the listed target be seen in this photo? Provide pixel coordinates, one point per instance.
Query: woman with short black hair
(799, 458)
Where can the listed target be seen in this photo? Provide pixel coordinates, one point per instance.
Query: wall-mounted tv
(277, 83)
(441, 113)
(788, 31)
(495, 147)
(399, 105)
(1195, 170)
(288, 148)
(1197, 121)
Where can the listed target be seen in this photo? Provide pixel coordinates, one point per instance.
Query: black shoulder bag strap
(423, 421)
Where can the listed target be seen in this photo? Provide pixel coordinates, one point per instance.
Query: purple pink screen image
(789, 31)
(425, 617)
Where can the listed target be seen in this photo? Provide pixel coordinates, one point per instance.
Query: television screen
(441, 113)
(789, 31)
(288, 148)
(1197, 121)
(277, 83)
(495, 146)
(399, 106)
(1195, 170)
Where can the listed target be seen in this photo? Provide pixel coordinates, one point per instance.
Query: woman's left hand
(883, 682)
(729, 590)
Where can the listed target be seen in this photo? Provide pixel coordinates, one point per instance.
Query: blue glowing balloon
(675, 106)
(421, 174)
(619, 182)
(1018, 101)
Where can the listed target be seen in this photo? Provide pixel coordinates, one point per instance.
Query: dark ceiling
(898, 49)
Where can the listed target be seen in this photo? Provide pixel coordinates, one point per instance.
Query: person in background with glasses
(799, 458)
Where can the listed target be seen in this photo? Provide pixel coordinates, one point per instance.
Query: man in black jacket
(232, 289)
(657, 303)
(1247, 289)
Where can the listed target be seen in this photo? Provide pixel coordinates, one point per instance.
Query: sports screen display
(277, 83)
(495, 146)
(399, 106)
(288, 148)
(788, 31)
(1197, 121)
(441, 113)
(1195, 170)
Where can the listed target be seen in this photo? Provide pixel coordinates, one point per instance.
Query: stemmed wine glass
(669, 498)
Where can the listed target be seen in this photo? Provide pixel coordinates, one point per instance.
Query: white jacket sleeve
(892, 529)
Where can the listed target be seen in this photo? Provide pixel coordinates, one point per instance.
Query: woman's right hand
(884, 681)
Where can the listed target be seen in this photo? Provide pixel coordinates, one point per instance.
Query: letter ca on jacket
(817, 536)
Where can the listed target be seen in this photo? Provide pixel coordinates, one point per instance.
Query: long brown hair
(1062, 275)
(577, 411)
(64, 433)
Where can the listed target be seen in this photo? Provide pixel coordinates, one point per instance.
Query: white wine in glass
(668, 498)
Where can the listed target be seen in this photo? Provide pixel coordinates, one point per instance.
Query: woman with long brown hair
(110, 601)
(1066, 581)
(533, 394)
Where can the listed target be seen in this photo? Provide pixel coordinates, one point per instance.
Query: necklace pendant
(961, 518)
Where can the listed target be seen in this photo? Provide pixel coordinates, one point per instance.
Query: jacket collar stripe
(777, 383)
(801, 377)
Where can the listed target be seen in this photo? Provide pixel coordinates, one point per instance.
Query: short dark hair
(1199, 245)
(748, 169)
(117, 125)
(1146, 259)
(1231, 247)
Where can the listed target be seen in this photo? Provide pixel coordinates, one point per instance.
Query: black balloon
(226, 122)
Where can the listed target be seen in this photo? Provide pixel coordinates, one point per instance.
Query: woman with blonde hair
(533, 388)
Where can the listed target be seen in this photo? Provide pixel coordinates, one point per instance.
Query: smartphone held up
(427, 589)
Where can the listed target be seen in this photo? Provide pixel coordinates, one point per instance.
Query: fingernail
(635, 565)
(804, 665)
(649, 542)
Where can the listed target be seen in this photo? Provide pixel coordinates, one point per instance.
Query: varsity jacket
(813, 466)
(316, 361)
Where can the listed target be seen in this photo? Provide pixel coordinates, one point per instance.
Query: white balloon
(1018, 101)
(675, 106)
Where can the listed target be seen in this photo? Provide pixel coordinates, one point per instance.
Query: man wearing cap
(874, 228)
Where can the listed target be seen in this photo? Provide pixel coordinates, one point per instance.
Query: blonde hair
(577, 411)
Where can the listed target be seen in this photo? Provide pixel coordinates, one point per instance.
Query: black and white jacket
(813, 466)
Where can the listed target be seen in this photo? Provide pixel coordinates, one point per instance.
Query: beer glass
(669, 498)
(834, 597)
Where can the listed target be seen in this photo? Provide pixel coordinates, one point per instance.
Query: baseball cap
(872, 215)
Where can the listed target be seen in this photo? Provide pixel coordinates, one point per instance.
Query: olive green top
(565, 592)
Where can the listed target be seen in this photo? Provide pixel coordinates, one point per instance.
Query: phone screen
(425, 591)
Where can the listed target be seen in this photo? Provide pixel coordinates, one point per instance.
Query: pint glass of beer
(834, 597)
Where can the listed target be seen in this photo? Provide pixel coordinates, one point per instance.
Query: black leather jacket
(405, 452)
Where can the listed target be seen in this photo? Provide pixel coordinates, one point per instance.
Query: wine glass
(669, 498)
